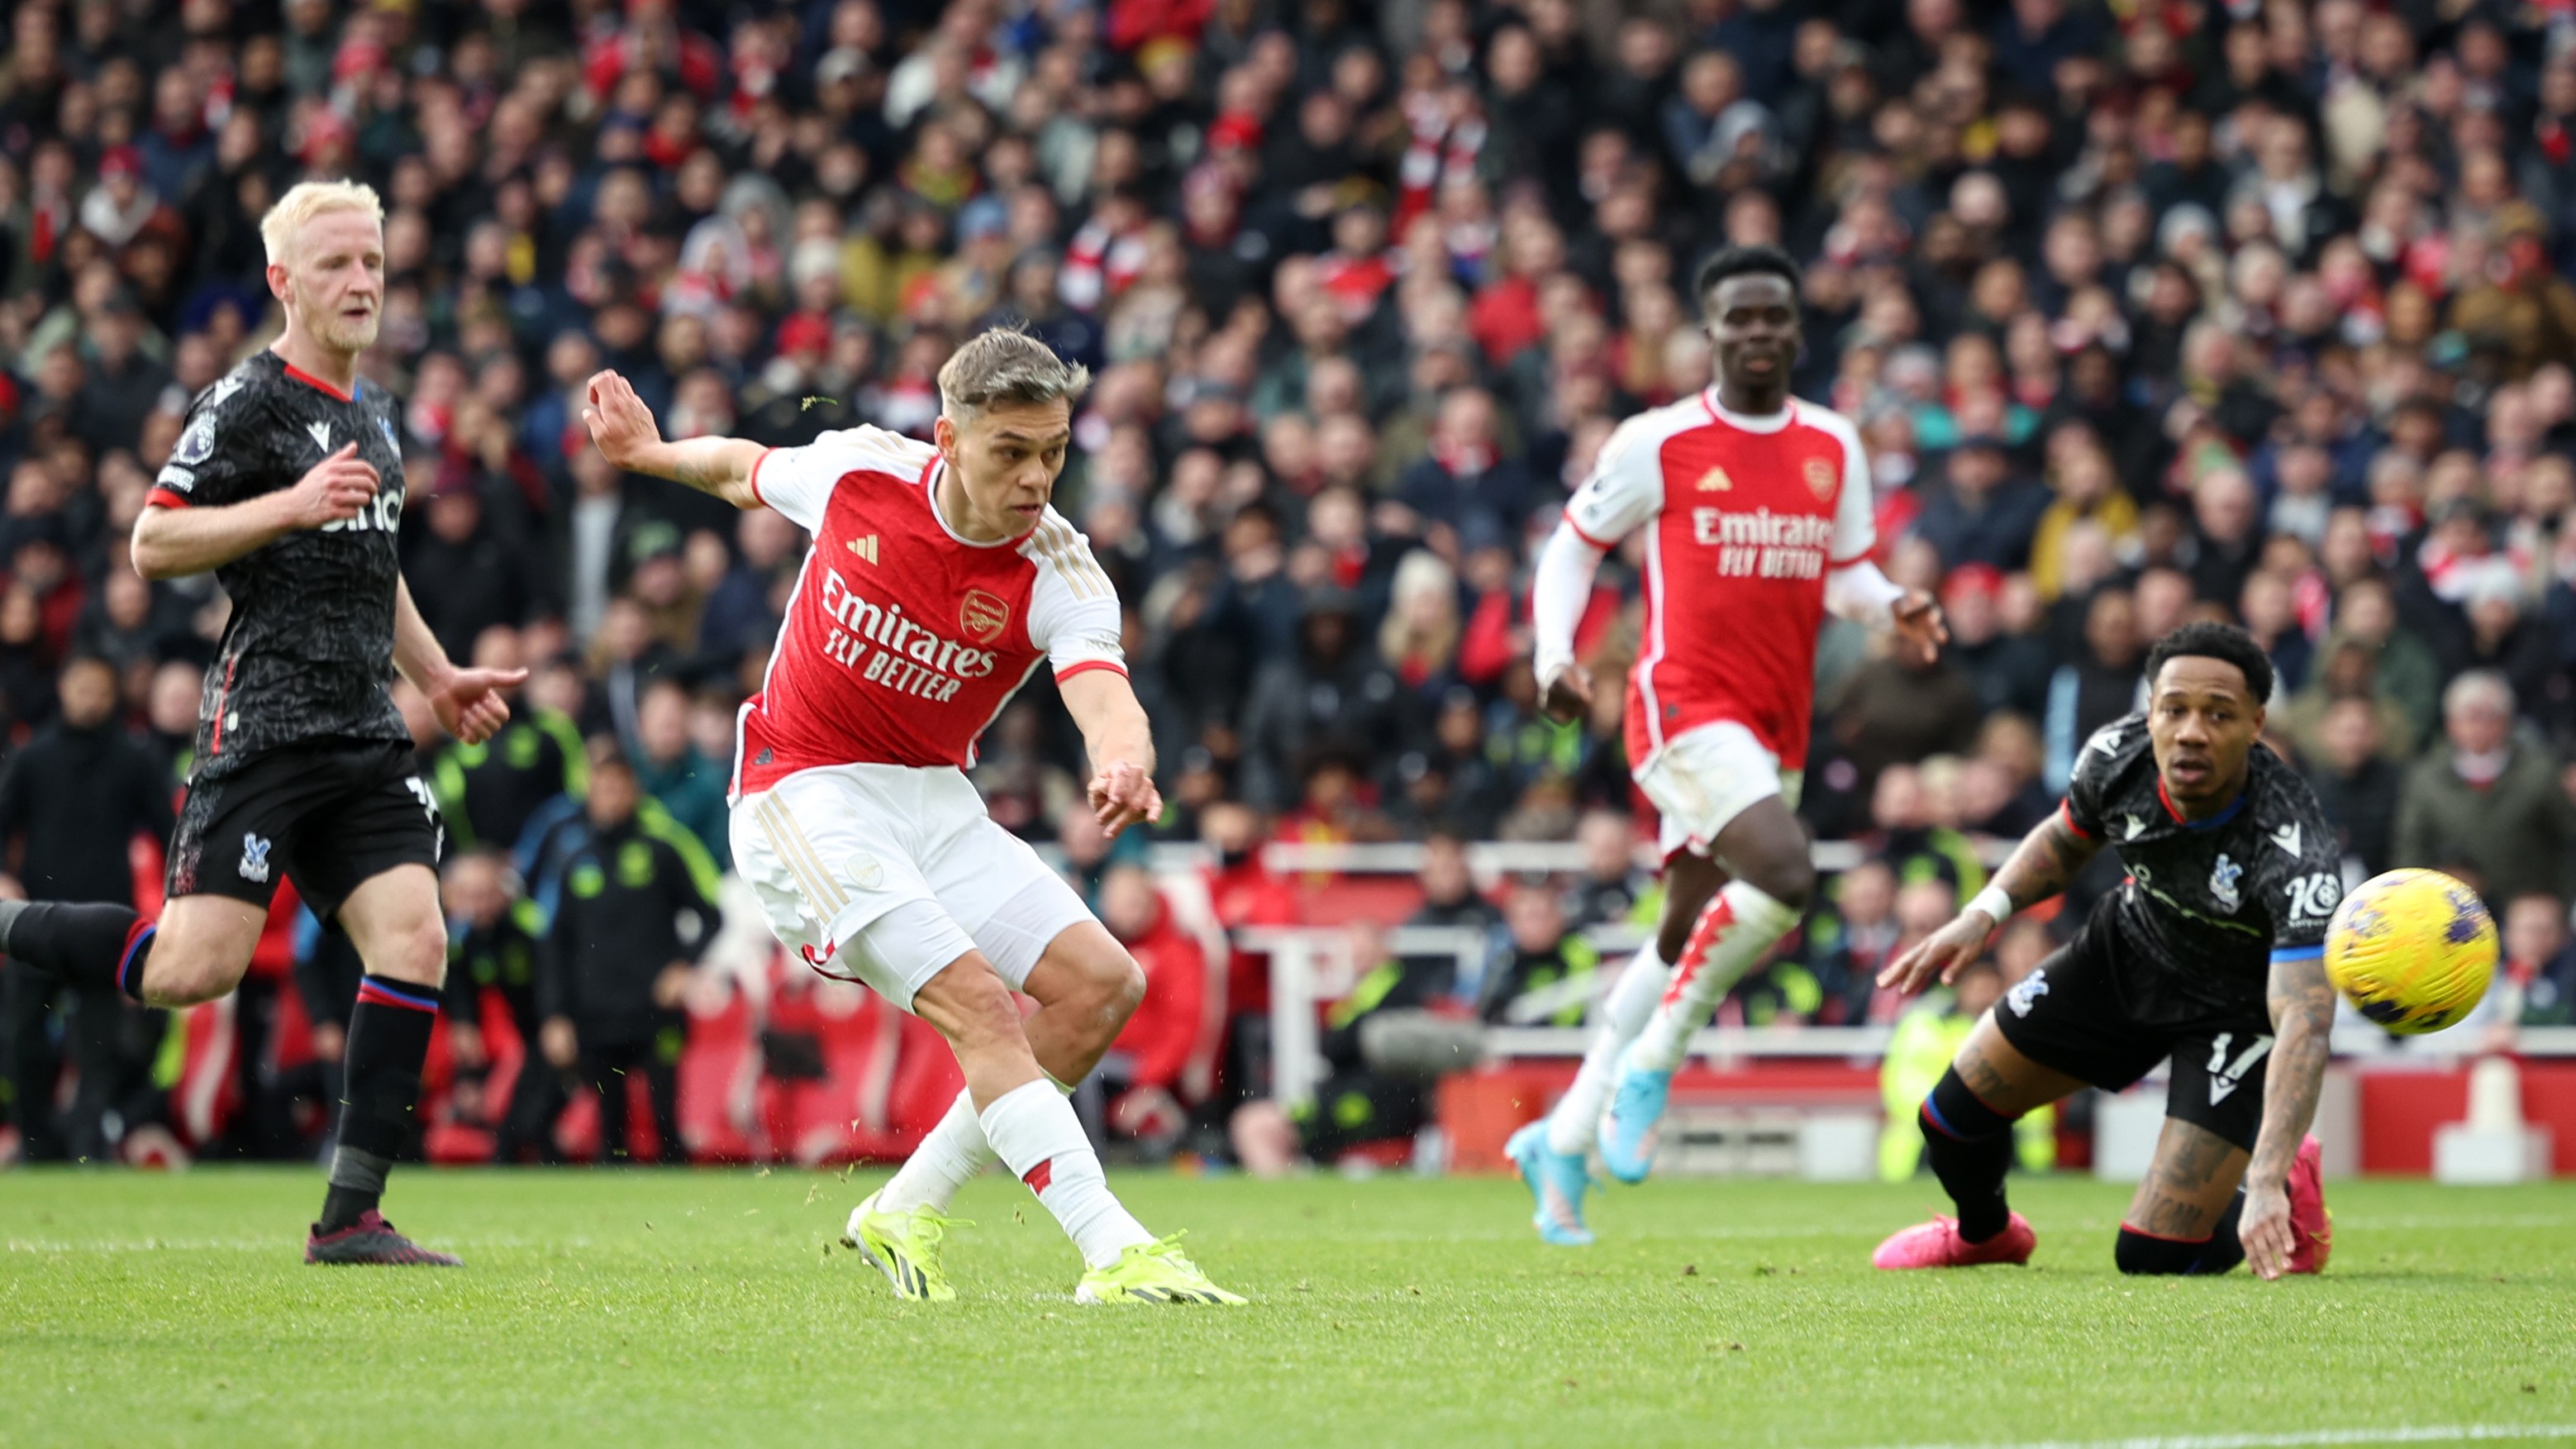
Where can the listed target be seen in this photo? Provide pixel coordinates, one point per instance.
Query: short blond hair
(306, 200)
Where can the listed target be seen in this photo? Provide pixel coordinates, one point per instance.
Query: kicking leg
(1086, 987)
(2183, 1219)
(1967, 1137)
(1766, 849)
(1033, 1130)
(393, 919)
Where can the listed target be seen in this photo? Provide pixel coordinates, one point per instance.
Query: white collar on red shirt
(1749, 422)
(930, 495)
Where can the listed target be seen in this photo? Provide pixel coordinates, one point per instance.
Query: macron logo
(865, 548)
(321, 434)
(2287, 837)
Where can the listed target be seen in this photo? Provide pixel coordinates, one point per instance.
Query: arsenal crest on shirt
(983, 616)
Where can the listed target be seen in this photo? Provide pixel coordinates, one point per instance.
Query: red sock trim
(1040, 1177)
(2161, 1238)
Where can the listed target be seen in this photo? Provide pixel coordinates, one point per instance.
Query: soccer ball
(2413, 950)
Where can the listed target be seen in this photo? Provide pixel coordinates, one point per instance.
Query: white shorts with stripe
(1702, 779)
(833, 850)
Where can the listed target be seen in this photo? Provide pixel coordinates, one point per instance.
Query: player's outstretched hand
(1940, 956)
(1919, 624)
(2264, 1227)
(1123, 794)
(469, 705)
(618, 420)
(331, 491)
(1567, 697)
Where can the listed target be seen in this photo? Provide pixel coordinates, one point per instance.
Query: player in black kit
(2211, 953)
(288, 483)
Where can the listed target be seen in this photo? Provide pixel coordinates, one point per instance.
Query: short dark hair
(1746, 261)
(2225, 643)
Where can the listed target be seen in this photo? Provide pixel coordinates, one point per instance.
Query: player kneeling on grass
(938, 581)
(2211, 953)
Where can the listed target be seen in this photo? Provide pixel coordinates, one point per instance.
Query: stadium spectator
(1543, 974)
(2355, 783)
(1145, 1076)
(2486, 804)
(2536, 973)
(72, 800)
(494, 956)
(626, 932)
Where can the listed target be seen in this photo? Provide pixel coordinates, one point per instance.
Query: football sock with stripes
(1970, 1147)
(93, 945)
(1033, 1130)
(380, 1092)
(1733, 933)
(1622, 1014)
(950, 1156)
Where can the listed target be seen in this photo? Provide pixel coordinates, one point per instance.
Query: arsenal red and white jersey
(1745, 516)
(904, 640)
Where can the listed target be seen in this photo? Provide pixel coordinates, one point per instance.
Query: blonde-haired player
(288, 483)
(938, 582)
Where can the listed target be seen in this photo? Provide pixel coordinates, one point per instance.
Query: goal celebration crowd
(2146, 313)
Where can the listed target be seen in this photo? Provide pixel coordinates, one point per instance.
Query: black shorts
(330, 814)
(2083, 1013)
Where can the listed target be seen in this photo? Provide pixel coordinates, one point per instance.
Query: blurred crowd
(2148, 311)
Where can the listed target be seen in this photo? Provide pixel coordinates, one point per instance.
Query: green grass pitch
(646, 1308)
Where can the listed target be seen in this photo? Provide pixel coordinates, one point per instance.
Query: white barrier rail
(1311, 965)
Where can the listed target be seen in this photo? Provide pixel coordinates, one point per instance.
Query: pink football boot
(2309, 1220)
(1937, 1244)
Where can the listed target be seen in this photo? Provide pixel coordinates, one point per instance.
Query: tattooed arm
(2047, 859)
(627, 436)
(2303, 1008)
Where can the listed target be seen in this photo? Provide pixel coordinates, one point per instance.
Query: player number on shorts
(2313, 896)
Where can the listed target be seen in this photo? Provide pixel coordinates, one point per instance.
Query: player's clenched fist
(1942, 955)
(618, 420)
(331, 491)
(1122, 795)
(1568, 696)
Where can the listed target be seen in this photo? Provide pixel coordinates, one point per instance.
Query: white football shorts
(1705, 777)
(884, 874)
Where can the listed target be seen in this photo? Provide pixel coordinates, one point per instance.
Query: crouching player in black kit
(2211, 953)
(288, 483)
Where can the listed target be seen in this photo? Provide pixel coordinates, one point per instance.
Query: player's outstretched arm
(172, 543)
(2303, 1009)
(623, 428)
(1121, 743)
(2045, 862)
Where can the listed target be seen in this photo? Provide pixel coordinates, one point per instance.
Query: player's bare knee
(1786, 876)
(1121, 988)
(966, 1003)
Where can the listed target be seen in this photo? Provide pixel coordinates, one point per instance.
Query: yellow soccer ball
(2413, 950)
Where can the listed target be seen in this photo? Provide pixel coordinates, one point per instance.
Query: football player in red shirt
(938, 581)
(1757, 515)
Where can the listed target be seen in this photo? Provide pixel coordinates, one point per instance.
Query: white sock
(1731, 935)
(1034, 1132)
(1617, 1020)
(950, 1156)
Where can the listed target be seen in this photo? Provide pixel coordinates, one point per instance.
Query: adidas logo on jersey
(865, 548)
(1716, 481)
